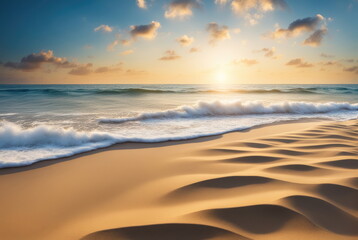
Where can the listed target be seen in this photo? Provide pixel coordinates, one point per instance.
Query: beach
(179, 120)
(293, 180)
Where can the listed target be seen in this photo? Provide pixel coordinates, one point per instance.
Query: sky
(179, 42)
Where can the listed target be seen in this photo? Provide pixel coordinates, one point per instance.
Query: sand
(288, 181)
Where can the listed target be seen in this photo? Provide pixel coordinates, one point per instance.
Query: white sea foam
(23, 146)
(20, 146)
(238, 108)
(7, 114)
(13, 135)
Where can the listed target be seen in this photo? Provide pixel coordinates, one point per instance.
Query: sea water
(39, 122)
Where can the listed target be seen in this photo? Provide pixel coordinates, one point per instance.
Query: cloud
(353, 69)
(135, 72)
(331, 63)
(103, 28)
(316, 38)
(148, 31)
(125, 42)
(112, 45)
(254, 18)
(107, 69)
(127, 52)
(34, 61)
(253, 10)
(298, 62)
(142, 4)
(169, 55)
(221, 2)
(82, 70)
(102, 70)
(309, 24)
(86, 69)
(218, 33)
(324, 55)
(185, 40)
(297, 27)
(268, 52)
(241, 6)
(248, 62)
(270, 5)
(181, 8)
(194, 50)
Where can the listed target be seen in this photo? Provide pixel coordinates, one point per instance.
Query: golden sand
(288, 181)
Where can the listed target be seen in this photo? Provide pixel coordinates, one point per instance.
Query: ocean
(39, 122)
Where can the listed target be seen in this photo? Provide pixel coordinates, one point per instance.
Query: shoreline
(123, 145)
(294, 180)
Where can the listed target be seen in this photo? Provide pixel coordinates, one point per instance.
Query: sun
(221, 76)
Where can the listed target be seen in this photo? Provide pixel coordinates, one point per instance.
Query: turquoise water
(39, 122)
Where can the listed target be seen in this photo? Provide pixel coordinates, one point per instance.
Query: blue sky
(67, 28)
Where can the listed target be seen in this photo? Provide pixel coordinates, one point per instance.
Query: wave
(13, 135)
(7, 114)
(238, 108)
(212, 91)
(24, 146)
(20, 146)
(145, 90)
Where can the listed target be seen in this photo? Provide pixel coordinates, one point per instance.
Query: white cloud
(242, 6)
(181, 8)
(141, 4)
(103, 28)
(185, 40)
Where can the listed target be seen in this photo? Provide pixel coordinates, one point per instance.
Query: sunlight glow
(221, 76)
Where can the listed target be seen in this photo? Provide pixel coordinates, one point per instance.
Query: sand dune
(296, 168)
(256, 219)
(289, 181)
(166, 231)
(344, 163)
(341, 195)
(324, 214)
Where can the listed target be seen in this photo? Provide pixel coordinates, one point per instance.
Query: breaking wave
(238, 108)
(20, 146)
(13, 135)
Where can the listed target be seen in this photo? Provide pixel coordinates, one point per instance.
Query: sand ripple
(298, 185)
